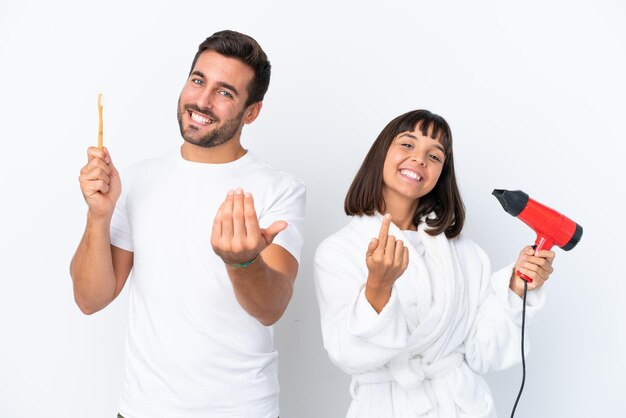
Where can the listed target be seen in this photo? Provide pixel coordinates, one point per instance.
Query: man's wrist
(245, 264)
(99, 220)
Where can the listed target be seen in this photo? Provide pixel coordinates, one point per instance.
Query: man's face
(212, 103)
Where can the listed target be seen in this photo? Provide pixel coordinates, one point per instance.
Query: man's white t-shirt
(191, 350)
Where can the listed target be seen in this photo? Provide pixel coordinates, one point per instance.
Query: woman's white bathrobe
(447, 320)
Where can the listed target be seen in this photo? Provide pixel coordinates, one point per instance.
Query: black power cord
(523, 356)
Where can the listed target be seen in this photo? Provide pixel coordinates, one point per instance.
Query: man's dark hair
(244, 48)
(365, 195)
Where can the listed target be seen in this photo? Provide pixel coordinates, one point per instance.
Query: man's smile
(201, 119)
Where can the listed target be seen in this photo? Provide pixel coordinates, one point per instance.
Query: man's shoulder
(265, 172)
(147, 166)
(141, 174)
(153, 161)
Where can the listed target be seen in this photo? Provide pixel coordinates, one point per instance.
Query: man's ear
(252, 112)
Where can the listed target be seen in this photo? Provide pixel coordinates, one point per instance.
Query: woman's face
(412, 167)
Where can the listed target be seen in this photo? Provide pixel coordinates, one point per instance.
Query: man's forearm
(261, 291)
(92, 269)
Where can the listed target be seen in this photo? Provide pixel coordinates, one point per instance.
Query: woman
(408, 305)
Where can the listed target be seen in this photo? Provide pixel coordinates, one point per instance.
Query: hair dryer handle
(541, 243)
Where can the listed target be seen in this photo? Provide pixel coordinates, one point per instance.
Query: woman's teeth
(410, 174)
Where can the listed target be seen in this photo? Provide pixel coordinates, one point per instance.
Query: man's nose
(205, 99)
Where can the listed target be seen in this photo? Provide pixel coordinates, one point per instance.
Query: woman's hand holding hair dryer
(536, 265)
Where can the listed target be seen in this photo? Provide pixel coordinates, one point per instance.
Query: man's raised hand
(237, 237)
(100, 182)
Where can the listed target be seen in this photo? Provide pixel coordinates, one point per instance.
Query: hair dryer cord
(523, 356)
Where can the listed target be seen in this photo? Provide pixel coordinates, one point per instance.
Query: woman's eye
(434, 157)
(406, 145)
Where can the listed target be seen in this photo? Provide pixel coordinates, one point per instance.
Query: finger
(239, 226)
(399, 253)
(95, 186)
(545, 272)
(524, 274)
(216, 234)
(109, 161)
(384, 231)
(227, 215)
(526, 252)
(536, 284)
(96, 163)
(95, 173)
(270, 232)
(371, 247)
(249, 213)
(541, 263)
(539, 270)
(535, 260)
(548, 255)
(95, 152)
(537, 280)
(390, 249)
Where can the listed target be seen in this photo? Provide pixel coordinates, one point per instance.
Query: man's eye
(197, 81)
(225, 94)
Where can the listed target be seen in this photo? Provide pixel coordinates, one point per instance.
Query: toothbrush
(100, 99)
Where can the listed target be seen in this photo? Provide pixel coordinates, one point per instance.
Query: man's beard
(215, 137)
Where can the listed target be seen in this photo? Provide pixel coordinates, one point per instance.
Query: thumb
(108, 159)
(271, 231)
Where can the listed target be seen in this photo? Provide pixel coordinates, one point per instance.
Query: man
(213, 236)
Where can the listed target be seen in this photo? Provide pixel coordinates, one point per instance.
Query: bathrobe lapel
(430, 292)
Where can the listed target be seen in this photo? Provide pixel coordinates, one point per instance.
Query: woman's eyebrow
(410, 135)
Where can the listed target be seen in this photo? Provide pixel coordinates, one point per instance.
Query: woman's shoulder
(346, 233)
(468, 248)
(344, 240)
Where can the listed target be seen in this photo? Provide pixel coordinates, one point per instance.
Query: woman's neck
(402, 213)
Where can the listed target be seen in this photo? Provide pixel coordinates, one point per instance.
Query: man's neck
(221, 154)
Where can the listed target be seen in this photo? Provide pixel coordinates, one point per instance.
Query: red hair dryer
(552, 228)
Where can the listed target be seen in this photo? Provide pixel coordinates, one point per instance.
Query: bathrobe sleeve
(494, 338)
(356, 337)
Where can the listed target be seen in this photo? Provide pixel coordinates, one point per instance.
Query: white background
(534, 92)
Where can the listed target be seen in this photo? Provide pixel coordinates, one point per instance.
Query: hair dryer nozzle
(513, 201)
(578, 234)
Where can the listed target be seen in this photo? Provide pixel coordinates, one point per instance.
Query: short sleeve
(121, 232)
(287, 206)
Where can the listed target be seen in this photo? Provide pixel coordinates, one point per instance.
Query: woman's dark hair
(244, 48)
(365, 195)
